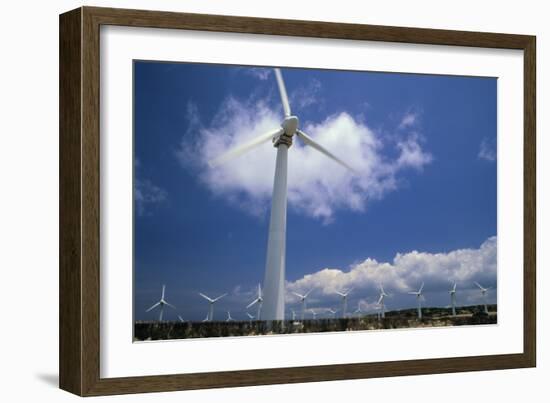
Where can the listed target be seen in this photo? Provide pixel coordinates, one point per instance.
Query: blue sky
(423, 207)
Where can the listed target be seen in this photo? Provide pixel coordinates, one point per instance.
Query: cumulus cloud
(317, 186)
(405, 273)
(487, 150)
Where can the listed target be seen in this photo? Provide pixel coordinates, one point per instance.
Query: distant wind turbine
(483, 296)
(452, 293)
(419, 298)
(250, 316)
(332, 312)
(358, 311)
(211, 304)
(161, 304)
(293, 312)
(344, 295)
(303, 301)
(274, 278)
(259, 300)
(314, 314)
(229, 318)
(381, 301)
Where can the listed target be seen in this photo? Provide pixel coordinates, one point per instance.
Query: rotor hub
(290, 125)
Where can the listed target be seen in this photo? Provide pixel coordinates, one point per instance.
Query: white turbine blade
(380, 299)
(454, 287)
(312, 143)
(480, 287)
(259, 291)
(243, 148)
(298, 295)
(153, 307)
(170, 305)
(307, 293)
(220, 297)
(206, 297)
(412, 293)
(421, 288)
(282, 91)
(163, 288)
(252, 303)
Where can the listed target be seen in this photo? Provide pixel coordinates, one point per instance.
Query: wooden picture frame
(79, 279)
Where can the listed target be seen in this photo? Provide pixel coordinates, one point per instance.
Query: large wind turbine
(303, 301)
(314, 314)
(274, 278)
(483, 296)
(344, 295)
(161, 303)
(332, 312)
(452, 293)
(419, 297)
(211, 302)
(381, 301)
(259, 300)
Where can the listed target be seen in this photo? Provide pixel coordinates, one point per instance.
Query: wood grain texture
(80, 200)
(70, 273)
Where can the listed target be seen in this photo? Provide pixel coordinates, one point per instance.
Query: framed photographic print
(249, 201)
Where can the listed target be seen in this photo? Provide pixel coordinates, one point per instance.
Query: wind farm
(276, 201)
(323, 319)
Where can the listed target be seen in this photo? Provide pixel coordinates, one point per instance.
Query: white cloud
(147, 194)
(317, 186)
(307, 95)
(405, 273)
(409, 119)
(487, 150)
(261, 73)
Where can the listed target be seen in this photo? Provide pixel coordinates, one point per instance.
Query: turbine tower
(161, 303)
(274, 277)
(483, 296)
(381, 301)
(452, 293)
(344, 295)
(211, 303)
(419, 297)
(303, 301)
(258, 301)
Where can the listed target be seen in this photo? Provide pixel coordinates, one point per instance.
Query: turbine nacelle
(290, 125)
